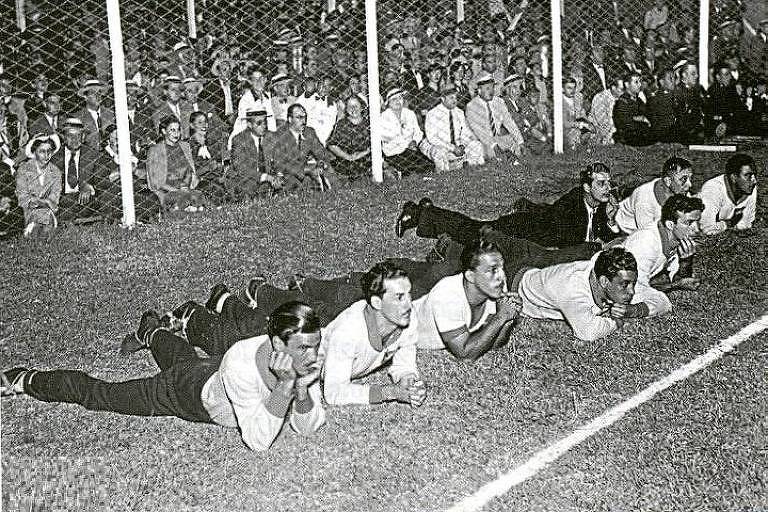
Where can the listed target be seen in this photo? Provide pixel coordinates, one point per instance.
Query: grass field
(701, 445)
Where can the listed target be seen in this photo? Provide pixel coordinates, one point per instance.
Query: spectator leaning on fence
(381, 330)
(730, 199)
(255, 386)
(94, 116)
(642, 208)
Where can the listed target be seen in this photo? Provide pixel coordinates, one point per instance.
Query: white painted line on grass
(548, 455)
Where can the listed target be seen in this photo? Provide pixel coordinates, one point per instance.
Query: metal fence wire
(232, 100)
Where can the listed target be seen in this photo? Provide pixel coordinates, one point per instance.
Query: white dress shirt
(398, 133)
(719, 206)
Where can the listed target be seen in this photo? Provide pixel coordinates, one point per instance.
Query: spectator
(173, 106)
(207, 148)
(183, 61)
(350, 142)
(171, 172)
(220, 91)
(251, 173)
(730, 199)
(93, 115)
(49, 120)
(451, 141)
(656, 16)
(321, 110)
(11, 214)
(629, 115)
(105, 180)
(193, 87)
(457, 77)
(429, 95)
(16, 123)
(601, 113)
(661, 109)
(689, 105)
(255, 98)
(726, 113)
(525, 114)
(38, 186)
(489, 68)
(75, 161)
(401, 136)
(281, 98)
(754, 51)
(597, 76)
(299, 155)
(491, 122)
(139, 122)
(576, 127)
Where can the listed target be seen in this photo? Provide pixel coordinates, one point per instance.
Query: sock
(220, 302)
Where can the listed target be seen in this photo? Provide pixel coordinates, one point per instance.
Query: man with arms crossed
(374, 332)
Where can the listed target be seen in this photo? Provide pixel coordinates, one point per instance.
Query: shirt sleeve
(258, 426)
(645, 214)
(749, 212)
(586, 325)
(404, 360)
(337, 373)
(448, 313)
(311, 421)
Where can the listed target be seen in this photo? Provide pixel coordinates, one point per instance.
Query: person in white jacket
(401, 136)
(450, 138)
(730, 199)
(378, 331)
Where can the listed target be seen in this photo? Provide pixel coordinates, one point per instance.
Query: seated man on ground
(258, 384)
(471, 312)
(372, 333)
(730, 199)
(401, 136)
(250, 174)
(642, 208)
(595, 297)
(629, 115)
(584, 214)
(451, 140)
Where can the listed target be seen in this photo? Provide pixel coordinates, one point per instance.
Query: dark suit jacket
(564, 222)
(592, 83)
(245, 158)
(88, 159)
(213, 94)
(92, 135)
(41, 125)
(287, 156)
(629, 131)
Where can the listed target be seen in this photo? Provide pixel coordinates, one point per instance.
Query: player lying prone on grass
(255, 386)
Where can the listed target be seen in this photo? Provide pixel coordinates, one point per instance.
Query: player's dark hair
(470, 256)
(737, 161)
(674, 165)
(609, 263)
(372, 281)
(291, 318)
(587, 174)
(680, 204)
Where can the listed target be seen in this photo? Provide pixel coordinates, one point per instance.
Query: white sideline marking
(548, 455)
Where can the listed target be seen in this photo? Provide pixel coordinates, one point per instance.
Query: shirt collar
(731, 192)
(374, 338)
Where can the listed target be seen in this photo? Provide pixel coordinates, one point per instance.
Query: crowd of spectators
(271, 97)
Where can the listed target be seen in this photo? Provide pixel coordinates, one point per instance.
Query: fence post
(191, 19)
(331, 6)
(459, 11)
(557, 76)
(21, 17)
(704, 43)
(121, 111)
(374, 95)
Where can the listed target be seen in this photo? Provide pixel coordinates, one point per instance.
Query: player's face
(687, 225)
(600, 190)
(746, 180)
(680, 182)
(302, 347)
(621, 288)
(489, 276)
(395, 304)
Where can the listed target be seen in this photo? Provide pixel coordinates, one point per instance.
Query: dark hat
(393, 92)
(255, 114)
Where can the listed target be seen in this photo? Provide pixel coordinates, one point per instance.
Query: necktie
(490, 118)
(299, 141)
(450, 127)
(72, 172)
(260, 154)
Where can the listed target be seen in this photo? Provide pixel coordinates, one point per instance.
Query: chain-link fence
(211, 83)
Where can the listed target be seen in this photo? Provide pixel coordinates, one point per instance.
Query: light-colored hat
(279, 78)
(90, 85)
(679, 64)
(392, 93)
(180, 46)
(42, 137)
(132, 84)
(172, 79)
(485, 78)
(192, 80)
(514, 77)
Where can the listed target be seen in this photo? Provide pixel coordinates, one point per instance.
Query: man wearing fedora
(449, 136)
(281, 98)
(76, 161)
(220, 92)
(173, 106)
(251, 172)
(93, 115)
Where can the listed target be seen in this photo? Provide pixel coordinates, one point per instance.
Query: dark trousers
(435, 221)
(410, 162)
(175, 391)
(215, 333)
(70, 209)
